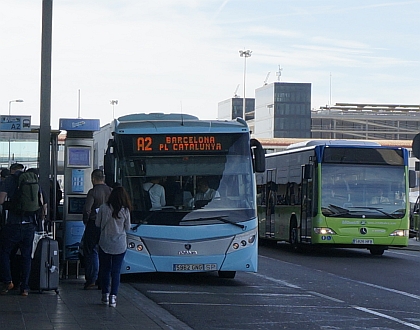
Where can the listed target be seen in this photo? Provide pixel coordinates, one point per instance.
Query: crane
(266, 78)
(236, 91)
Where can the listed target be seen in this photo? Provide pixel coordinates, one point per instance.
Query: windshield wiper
(376, 209)
(221, 218)
(337, 210)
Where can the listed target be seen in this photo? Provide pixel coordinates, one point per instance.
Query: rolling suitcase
(44, 270)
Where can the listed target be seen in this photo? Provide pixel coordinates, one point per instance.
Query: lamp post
(244, 54)
(113, 103)
(10, 107)
(10, 104)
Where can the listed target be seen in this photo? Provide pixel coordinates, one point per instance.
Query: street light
(10, 104)
(10, 107)
(244, 54)
(113, 103)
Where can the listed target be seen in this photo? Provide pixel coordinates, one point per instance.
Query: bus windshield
(363, 191)
(227, 174)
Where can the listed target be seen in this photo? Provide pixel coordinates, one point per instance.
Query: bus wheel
(293, 234)
(227, 274)
(377, 251)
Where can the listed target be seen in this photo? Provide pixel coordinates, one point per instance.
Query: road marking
(403, 293)
(325, 296)
(231, 294)
(275, 280)
(363, 309)
(366, 310)
(250, 305)
(403, 254)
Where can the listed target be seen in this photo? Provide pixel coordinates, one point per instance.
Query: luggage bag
(44, 269)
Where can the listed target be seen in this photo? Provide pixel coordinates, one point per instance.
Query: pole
(45, 104)
(113, 103)
(245, 54)
(10, 108)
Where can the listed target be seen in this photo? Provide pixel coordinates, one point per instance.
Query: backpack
(26, 197)
(147, 199)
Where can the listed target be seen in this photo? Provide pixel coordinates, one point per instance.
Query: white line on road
(366, 310)
(414, 326)
(275, 280)
(201, 293)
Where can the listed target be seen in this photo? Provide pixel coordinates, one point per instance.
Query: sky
(176, 56)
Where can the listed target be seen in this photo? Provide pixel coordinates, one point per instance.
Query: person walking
(17, 233)
(96, 196)
(113, 220)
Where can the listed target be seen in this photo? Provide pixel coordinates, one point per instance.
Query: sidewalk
(75, 308)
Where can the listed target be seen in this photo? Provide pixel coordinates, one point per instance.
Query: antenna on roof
(330, 91)
(182, 115)
(278, 73)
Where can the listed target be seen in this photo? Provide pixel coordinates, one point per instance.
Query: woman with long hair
(114, 220)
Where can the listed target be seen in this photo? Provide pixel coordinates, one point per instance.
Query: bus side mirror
(307, 171)
(412, 179)
(109, 164)
(258, 154)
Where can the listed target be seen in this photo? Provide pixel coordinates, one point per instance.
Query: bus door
(306, 203)
(271, 201)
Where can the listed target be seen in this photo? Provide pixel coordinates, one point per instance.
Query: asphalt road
(321, 289)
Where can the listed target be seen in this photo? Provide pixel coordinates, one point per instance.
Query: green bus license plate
(362, 241)
(194, 267)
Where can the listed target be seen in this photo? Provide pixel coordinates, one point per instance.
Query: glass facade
(346, 123)
(20, 147)
(283, 110)
(233, 108)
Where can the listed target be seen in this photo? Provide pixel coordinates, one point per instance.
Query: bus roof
(174, 123)
(309, 143)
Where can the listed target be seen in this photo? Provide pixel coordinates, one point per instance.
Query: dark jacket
(96, 196)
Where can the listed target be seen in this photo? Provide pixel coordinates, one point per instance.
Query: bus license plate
(362, 241)
(194, 267)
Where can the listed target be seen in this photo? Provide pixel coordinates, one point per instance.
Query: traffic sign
(15, 123)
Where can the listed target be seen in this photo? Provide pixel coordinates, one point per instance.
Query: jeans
(23, 237)
(110, 271)
(90, 252)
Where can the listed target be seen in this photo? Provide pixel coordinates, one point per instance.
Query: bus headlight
(324, 231)
(243, 240)
(135, 243)
(400, 233)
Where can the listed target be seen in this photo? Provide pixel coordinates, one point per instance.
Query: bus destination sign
(181, 143)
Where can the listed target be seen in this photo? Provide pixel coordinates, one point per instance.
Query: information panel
(188, 143)
(78, 156)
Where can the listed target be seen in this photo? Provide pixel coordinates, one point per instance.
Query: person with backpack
(96, 196)
(113, 219)
(156, 193)
(21, 198)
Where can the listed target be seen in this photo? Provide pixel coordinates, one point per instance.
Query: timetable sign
(15, 123)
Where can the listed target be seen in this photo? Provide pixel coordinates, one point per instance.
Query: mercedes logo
(187, 246)
(363, 231)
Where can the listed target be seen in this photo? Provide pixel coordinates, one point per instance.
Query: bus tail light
(324, 231)
(400, 233)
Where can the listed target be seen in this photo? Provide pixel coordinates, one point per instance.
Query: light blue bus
(186, 235)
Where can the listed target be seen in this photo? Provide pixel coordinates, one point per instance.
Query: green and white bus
(336, 193)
